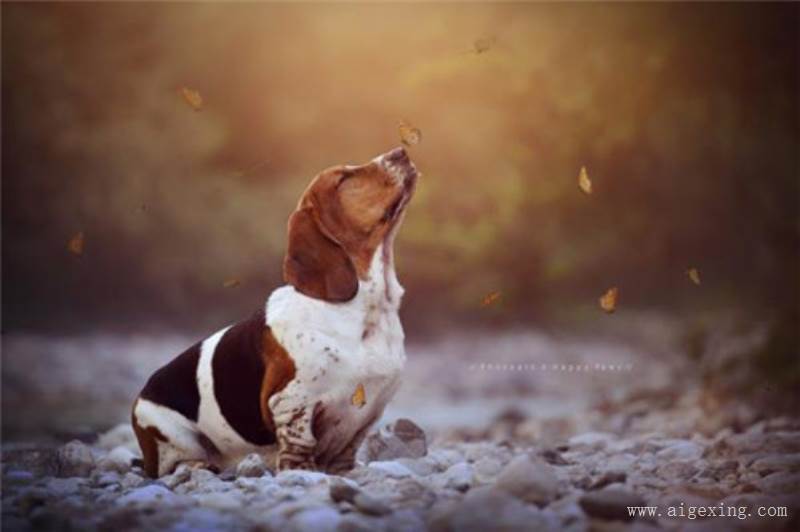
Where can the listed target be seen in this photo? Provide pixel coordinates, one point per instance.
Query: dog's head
(344, 215)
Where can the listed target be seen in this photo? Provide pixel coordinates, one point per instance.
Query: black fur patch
(238, 367)
(175, 385)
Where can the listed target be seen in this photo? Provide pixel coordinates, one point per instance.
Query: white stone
(391, 469)
(118, 460)
(252, 465)
(533, 482)
(147, 496)
(75, 460)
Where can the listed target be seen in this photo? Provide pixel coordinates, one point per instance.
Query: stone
(533, 482)
(458, 477)
(370, 505)
(681, 450)
(486, 508)
(441, 459)
(151, 495)
(778, 462)
(590, 441)
(252, 465)
(486, 469)
(121, 435)
(119, 459)
(391, 469)
(74, 460)
(780, 483)
(318, 519)
(675, 470)
(402, 439)
(18, 477)
(131, 480)
(181, 474)
(340, 491)
(299, 477)
(610, 504)
(106, 479)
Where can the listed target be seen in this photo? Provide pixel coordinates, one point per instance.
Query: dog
(302, 380)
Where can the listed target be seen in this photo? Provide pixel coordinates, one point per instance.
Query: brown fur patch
(148, 442)
(280, 370)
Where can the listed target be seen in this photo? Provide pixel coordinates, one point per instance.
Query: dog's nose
(397, 155)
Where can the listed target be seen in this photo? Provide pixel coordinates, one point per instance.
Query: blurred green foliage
(686, 117)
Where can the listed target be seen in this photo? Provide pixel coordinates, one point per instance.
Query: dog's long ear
(316, 265)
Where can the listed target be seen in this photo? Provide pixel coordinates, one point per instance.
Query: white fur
(180, 432)
(331, 358)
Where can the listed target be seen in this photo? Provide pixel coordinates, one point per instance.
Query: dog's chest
(348, 358)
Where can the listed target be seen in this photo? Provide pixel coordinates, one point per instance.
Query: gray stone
(391, 469)
(780, 483)
(486, 469)
(486, 508)
(610, 504)
(340, 491)
(75, 460)
(458, 477)
(370, 505)
(402, 439)
(147, 496)
(119, 459)
(18, 477)
(318, 519)
(298, 477)
(590, 441)
(681, 450)
(777, 462)
(252, 465)
(131, 480)
(181, 474)
(533, 482)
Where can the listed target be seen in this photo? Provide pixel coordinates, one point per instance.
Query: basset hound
(303, 379)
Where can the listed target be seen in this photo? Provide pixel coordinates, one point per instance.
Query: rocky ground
(524, 431)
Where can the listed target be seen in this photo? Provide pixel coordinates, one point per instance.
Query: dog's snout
(397, 155)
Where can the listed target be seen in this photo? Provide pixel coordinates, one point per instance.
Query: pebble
(252, 465)
(458, 477)
(298, 477)
(391, 469)
(531, 481)
(610, 504)
(681, 450)
(75, 460)
(147, 496)
(318, 519)
(370, 505)
(341, 491)
(401, 439)
(777, 462)
(119, 460)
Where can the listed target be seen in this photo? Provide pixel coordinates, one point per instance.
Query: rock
(402, 439)
(486, 508)
(18, 477)
(677, 470)
(441, 459)
(221, 500)
(590, 441)
(318, 519)
(370, 505)
(530, 481)
(458, 477)
(131, 480)
(64, 487)
(417, 466)
(391, 469)
(181, 474)
(610, 504)
(119, 460)
(681, 450)
(340, 491)
(780, 483)
(778, 462)
(408, 493)
(106, 479)
(75, 460)
(121, 435)
(298, 477)
(486, 469)
(147, 496)
(608, 478)
(252, 465)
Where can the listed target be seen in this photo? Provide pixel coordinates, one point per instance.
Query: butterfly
(75, 244)
(583, 181)
(608, 301)
(409, 135)
(359, 397)
(192, 97)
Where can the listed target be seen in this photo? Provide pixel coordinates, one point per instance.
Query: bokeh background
(685, 116)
